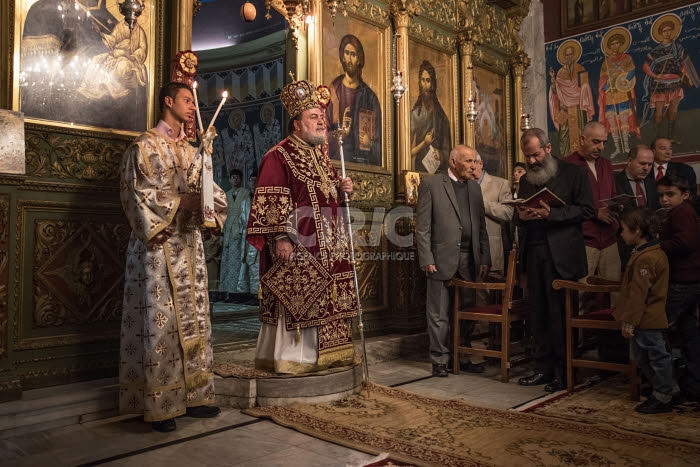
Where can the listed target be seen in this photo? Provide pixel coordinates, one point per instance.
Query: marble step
(89, 401)
(45, 408)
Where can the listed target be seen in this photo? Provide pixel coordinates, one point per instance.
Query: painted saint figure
(666, 69)
(237, 142)
(571, 103)
(268, 133)
(348, 91)
(430, 128)
(617, 107)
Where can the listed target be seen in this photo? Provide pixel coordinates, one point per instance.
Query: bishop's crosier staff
(340, 133)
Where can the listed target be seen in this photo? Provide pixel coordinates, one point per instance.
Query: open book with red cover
(533, 201)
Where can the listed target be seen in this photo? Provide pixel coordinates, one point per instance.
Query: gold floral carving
(488, 59)
(4, 270)
(368, 265)
(371, 189)
(441, 12)
(79, 273)
(82, 157)
(486, 23)
(366, 10)
(405, 8)
(432, 36)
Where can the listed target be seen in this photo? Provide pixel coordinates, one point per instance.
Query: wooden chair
(597, 319)
(503, 313)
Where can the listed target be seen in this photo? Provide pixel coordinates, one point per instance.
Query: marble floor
(235, 439)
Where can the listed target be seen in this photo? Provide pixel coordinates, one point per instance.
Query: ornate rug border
(342, 435)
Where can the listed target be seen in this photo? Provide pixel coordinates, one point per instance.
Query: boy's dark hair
(233, 172)
(521, 165)
(674, 180)
(645, 220)
(170, 90)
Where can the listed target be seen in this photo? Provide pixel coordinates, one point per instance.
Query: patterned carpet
(608, 403)
(430, 432)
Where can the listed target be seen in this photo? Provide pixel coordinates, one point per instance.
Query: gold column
(403, 110)
(7, 15)
(466, 49)
(182, 11)
(519, 64)
(314, 34)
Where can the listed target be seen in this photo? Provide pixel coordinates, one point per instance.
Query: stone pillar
(535, 77)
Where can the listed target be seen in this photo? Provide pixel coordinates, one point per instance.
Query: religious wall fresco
(638, 78)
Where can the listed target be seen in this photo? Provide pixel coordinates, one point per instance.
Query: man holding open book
(551, 247)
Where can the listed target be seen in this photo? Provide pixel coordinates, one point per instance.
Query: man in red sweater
(599, 233)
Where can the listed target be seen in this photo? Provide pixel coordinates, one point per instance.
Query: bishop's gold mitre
(299, 96)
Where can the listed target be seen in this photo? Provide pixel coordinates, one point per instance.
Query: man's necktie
(639, 191)
(659, 172)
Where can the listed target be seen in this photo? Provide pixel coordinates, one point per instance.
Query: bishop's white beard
(539, 175)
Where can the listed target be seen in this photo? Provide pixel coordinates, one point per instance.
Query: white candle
(196, 104)
(224, 95)
(342, 167)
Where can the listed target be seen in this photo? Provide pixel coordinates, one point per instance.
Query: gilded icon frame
(491, 89)
(124, 106)
(444, 65)
(375, 40)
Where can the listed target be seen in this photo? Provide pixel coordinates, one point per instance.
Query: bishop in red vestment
(307, 291)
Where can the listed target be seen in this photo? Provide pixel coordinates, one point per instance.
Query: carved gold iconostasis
(61, 261)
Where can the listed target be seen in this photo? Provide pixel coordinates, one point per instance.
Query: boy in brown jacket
(641, 307)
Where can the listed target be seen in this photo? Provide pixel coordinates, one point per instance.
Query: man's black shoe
(470, 367)
(203, 411)
(164, 426)
(557, 384)
(440, 370)
(535, 379)
(653, 405)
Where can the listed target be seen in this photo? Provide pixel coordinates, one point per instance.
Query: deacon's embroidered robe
(166, 356)
(311, 297)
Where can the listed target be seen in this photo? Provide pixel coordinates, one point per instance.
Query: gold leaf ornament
(188, 62)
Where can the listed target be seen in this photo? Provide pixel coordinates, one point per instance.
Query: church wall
(600, 69)
(63, 234)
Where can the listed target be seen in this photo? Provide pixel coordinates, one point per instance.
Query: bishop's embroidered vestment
(298, 194)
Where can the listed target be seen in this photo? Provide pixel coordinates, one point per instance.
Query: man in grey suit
(451, 240)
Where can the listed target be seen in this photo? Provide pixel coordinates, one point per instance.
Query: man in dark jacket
(551, 247)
